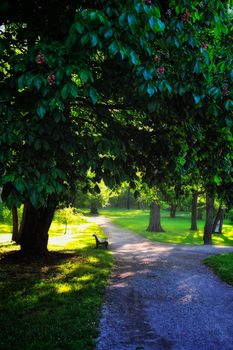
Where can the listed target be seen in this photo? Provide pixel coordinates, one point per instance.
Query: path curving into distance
(160, 297)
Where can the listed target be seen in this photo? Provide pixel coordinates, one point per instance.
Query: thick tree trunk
(15, 224)
(93, 209)
(173, 211)
(199, 214)
(207, 238)
(194, 211)
(23, 220)
(34, 238)
(155, 224)
(218, 221)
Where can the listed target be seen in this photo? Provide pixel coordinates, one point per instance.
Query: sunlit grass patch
(5, 228)
(54, 303)
(222, 265)
(177, 230)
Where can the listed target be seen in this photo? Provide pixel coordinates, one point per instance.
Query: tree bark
(194, 211)
(34, 238)
(199, 214)
(207, 238)
(23, 220)
(15, 222)
(218, 221)
(128, 198)
(173, 211)
(93, 209)
(155, 224)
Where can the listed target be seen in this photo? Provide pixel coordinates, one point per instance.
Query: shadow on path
(161, 297)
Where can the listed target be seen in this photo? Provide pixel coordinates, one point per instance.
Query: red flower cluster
(40, 58)
(204, 46)
(186, 16)
(225, 90)
(51, 79)
(161, 70)
(148, 2)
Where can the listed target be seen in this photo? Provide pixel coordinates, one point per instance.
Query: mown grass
(177, 230)
(54, 303)
(222, 265)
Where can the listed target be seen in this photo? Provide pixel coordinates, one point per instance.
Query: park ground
(160, 296)
(56, 302)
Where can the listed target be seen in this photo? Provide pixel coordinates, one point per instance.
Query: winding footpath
(161, 297)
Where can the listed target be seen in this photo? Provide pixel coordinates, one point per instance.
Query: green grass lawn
(176, 230)
(222, 265)
(54, 303)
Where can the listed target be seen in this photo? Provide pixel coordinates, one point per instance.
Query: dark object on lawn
(100, 241)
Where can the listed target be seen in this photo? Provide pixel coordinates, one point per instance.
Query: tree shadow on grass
(52, 302)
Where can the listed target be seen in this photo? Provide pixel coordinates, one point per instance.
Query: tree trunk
(173, 211)
(194, 211)
(207, 238)
(93, 209)
(155, 225)
(128, 199)
(35, 227)
(23, 220)
(218, 221)
(15, 222)
(199, 214)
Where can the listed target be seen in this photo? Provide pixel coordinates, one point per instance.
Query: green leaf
(79, 27)
(109, 33)
(161, 25)
(161, 86)
(122, 19)
(74, 90)
(19, 184)
(152, 106)
(33, 195)
(156, 24)
(21, 82)
(37, 83)
(152, 23)
(228, 104)
(41, 110)
(157, 11)
(147, 74)
(84, 75)
(197, 98)
(93, 95)
(113, 48)
(231, 74)
(150, 90)
(85, 39)
(65, 91)
(138, 7)
(132, 22)
(217, 179)
(134, 58)
(168, 87)
(94, 39)
(49, 189)
(197, 68)
(214, 91)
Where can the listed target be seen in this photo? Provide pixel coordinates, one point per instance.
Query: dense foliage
(115, 87)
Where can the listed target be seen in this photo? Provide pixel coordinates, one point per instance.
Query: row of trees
(141, 197)
(115, 87)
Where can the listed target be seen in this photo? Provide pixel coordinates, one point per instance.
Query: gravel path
(161, 297)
